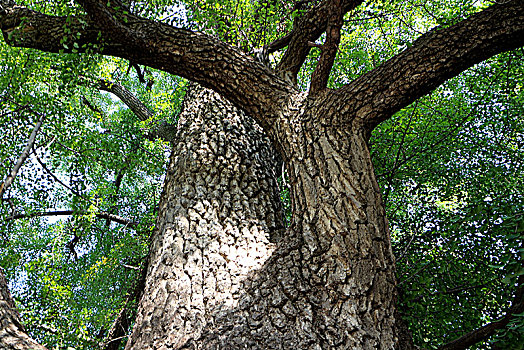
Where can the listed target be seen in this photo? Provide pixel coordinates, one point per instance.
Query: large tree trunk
(218, 280)
(346, 270)
(219, 219)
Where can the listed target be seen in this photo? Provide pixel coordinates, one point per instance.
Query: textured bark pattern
(345, 239)
(333, 274)
(216, 282)
(218, 212)
(12, 333)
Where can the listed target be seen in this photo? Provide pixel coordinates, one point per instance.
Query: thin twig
(101, 215)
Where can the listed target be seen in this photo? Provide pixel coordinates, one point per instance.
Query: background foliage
(450, 166)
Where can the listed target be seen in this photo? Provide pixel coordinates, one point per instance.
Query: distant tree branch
(139, 72)
(121, 324)
(138, 107)
(455, 290)
(101, 215)
(119, 177)
(25, 154)
(488, 330)
(47, 170)
(92, 107)
(440, 141)
(396, 164)
(160, 129)
(53, 330)
(12, 333)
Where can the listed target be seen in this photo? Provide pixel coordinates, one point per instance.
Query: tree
(329, 282)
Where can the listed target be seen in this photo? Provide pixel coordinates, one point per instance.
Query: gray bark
(219, 220)
(216, 278)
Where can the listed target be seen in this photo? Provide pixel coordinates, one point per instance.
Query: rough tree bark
(215, 278)
(327, 284)
(219, 219)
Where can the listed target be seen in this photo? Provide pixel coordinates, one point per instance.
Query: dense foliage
(450, 166)
(451, 169)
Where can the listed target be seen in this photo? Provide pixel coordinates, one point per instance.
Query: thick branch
(198, 57)
(320, 77)
(12, 333)
(280, 43)
(101, 215)
(307, 28)
(488, 330)
(25, 153)
(434, 58)
(110, 17)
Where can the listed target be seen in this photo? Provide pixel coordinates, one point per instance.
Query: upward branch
(434, 58)
(307, 28)
(320, 77)
(101, 215)
(486, 331)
